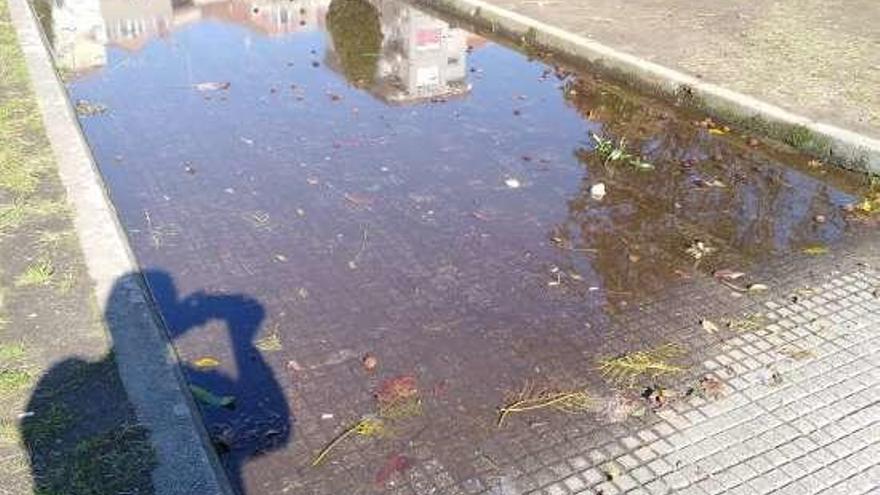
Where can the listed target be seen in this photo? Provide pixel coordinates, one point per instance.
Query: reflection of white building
(131, 23)
(77, 33)
(81, 29)
(422, 57)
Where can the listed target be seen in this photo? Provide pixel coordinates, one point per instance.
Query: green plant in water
(626, 369)
(612, 152)
(39, 273)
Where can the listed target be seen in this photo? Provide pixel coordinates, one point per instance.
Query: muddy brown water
(374, 180)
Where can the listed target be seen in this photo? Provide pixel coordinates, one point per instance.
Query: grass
(14, 215)
(627, 369)
(9, 434)
(39, 273)
(48, 425)
(12, 380)
(11, 352)
(611, 152)
(113, 461)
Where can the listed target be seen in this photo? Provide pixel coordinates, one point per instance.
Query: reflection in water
(80, 30)
(415, 57)
(364, 226)
(703, 192)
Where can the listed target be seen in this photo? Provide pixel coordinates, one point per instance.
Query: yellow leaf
(717, 132)
(206, 362)
(815, 250)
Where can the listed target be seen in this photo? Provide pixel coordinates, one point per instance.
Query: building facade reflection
(81, 30)
(420, 57)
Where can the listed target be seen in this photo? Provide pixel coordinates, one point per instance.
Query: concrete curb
(825, 141)
(147, 363)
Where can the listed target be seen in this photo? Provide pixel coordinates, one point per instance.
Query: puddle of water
(318, 180)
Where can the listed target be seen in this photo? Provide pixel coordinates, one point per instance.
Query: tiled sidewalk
(800, 414)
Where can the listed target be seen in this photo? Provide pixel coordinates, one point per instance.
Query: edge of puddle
(148, 364)
(836, 145)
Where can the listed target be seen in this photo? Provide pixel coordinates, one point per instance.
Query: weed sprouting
(612, 152)
(36, 274)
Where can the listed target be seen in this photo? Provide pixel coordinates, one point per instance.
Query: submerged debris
(397, 463)
(370, 362)
(750, 322)
(699, 250)
(206, 362)
(368, 426)
(399, 398)
(816, 250)
(269, 343)
(626, 369)
(85, 108)
(531, 399)
(205, 396)
(211, 86)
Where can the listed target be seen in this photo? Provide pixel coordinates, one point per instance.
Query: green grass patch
(11, 352)
(19, 212)
(13, 380)
(48, 424)
(116, 461)
(9, 433)
(39, 273)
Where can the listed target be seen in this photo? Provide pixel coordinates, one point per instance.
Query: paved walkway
(802, 415)
(816, 58)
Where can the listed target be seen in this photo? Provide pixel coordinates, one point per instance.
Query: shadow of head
(81, 429)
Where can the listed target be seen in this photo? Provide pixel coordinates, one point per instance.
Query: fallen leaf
(717, 131)
(207, 397)
(708, 326)
(725, 274)
(211, 86)
(206, 362)
(816, 250)
(757, 288)
(395, 464)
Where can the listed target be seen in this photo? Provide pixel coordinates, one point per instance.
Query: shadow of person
(259, 421)
(82, 432)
